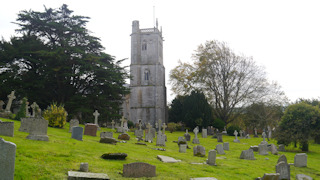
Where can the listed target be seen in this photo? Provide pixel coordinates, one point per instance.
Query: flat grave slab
(167, 159)
(74, 175)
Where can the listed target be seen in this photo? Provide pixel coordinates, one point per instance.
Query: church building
(147, 100)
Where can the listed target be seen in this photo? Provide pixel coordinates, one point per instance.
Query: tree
(297, 124)
(175, 110)
(57, 60)
(193, 110)
(231, 82)
(262, 115)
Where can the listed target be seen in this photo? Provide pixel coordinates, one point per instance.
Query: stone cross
(11, 97)
(157, 125)
(1, 105)
(270, 132)
(140, 124)
(236, 133)
(241, 133)
(27, 109)
(34, 106)
(186, 131)
(164, 127)
(255, 131)
(96, 114)
(112, 123)
(122, 121)
(264, 136)
(159, 122)
(149, 128)
(196, 130)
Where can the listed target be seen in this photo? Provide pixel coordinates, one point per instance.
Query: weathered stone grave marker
(247, 154)
(196, 140)
(236, 140)
(11, 97)
(7, 159)
(219, 149)
(187, 136)
(300, 160)
(38, 129)
(139, 169)
(96, 114)
(73, 123)
(212, 158)
(226, 146)
(7, 128)
(204, 133)
(77, 133)
(90, 129)
(199, 151)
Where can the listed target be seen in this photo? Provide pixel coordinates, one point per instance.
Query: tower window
(146, 75)
(144, 46)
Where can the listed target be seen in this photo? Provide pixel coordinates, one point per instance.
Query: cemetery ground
(54, 158)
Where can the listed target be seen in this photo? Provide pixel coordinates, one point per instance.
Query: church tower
(148, 96)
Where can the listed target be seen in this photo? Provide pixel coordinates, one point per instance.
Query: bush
(56, 115)
(22, 110)
(130, 124)
(172, 126)
(231, 129)
(218, 123)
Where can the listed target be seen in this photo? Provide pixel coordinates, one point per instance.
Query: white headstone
(96, 114)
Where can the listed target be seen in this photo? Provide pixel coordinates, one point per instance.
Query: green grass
(53, 159)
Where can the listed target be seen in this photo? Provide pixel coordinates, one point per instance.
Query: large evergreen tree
(57, 60)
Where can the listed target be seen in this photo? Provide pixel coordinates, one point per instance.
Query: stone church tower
(148, 98)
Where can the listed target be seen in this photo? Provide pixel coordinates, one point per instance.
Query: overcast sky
(283, 36)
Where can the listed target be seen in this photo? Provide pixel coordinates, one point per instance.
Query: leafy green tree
(230, 81)
(297, 125)
(175, 110)
(57, 60)
(22, 111)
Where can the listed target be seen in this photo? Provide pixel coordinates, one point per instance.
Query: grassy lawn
(53, 159)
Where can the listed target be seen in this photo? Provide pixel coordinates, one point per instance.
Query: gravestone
(263, 149)
(204, 133)
(187, 136)
(38, 129)
(108, 140)
(282, 158)
(199, 151)
(219, 149)
(124, 136)
(274, 149)
(236, 140)
(283, 169)
(254, 148)
(281, 148)
(121, 128)
(139, 169)
(167, 159)
(112, 124)
(84, 167)
(212, 158)
(7, 159)
(196, 140)
(300, 160)
(106, 134)
(255, 133)
(164, 126)
(271, 176)
(27, 109)
(90, 129)
(264, 138)
(226, 146)
(11, 97)
(247, 136)
(148, 134)
(303, 177)
(247, 154)
(241, 134)
(75, 175)
(77, 133)
(138, 133)
(210, 130)
(219, 137)
(269, 132)
(26, 124)
(96, 114)
(183, 148)
(181, 140)
(6, 128)
(72, 123)
(161, 140)
(35, 108)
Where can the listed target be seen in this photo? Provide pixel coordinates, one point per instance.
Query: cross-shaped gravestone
(255, 131)
(140, 124)
(34, 106)
(196, 130)
(164, 127)
(112, 124)
(236, 133)
(27, 109)
(157, 125)
(1, 105)
(11, 97)
(186, 131)
(159, 122)
(241, 132)
(264, 136)
(122, 121)
(149, 128)
(96, 114)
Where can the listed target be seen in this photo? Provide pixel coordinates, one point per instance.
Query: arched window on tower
(144, 45)
(146, 75)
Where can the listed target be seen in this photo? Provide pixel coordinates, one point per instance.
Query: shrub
(56, 115)
(231, 129)
(172, 126)
(130, 124)
(22, 110)
(218, 123)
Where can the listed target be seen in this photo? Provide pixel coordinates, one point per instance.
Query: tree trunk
(305, 146)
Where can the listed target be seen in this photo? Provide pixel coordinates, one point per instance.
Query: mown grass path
(53, 159)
